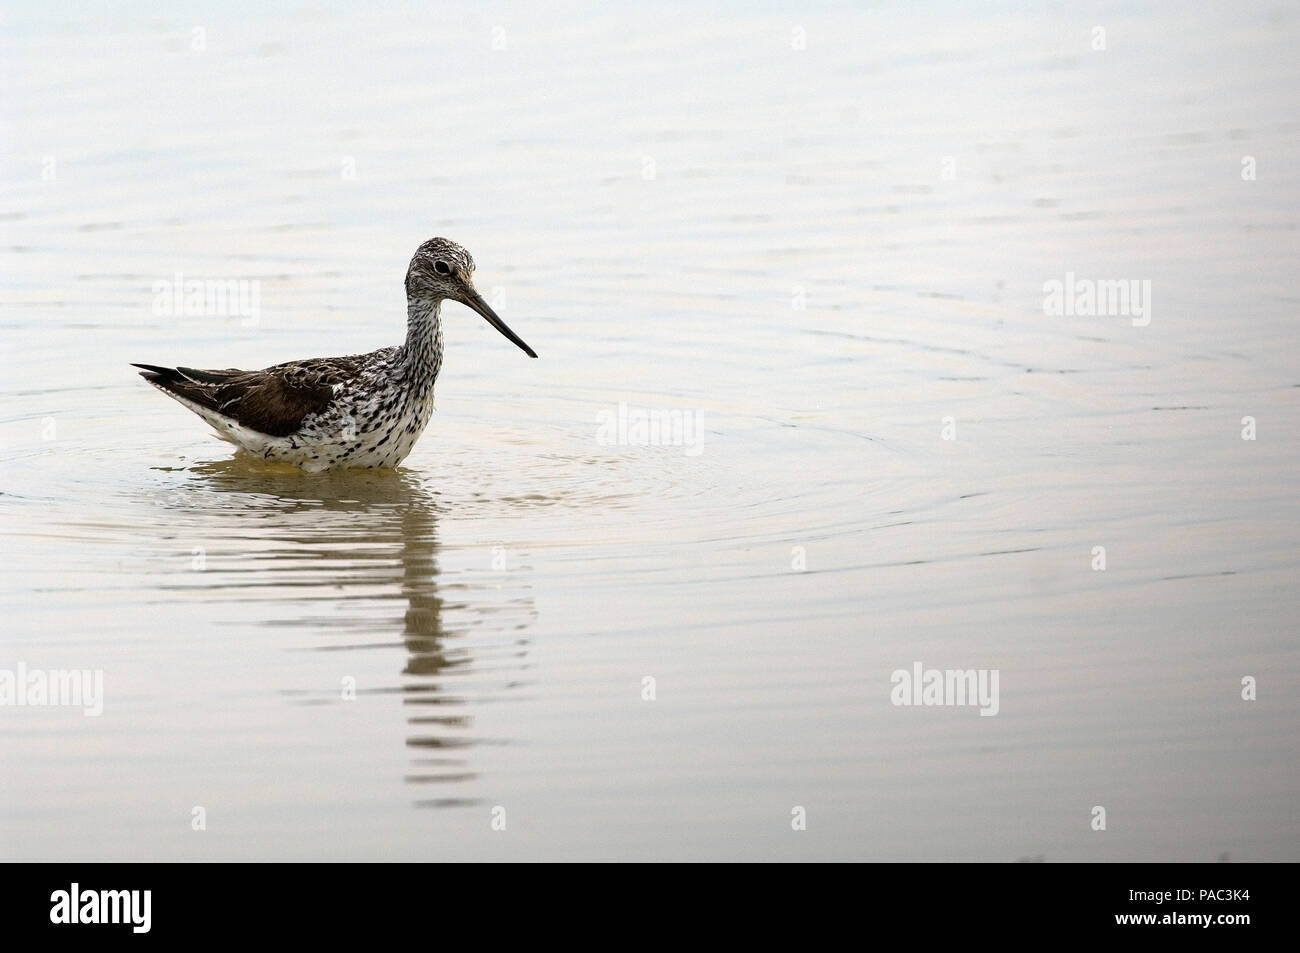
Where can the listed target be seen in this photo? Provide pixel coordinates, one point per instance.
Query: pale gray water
(681, 211)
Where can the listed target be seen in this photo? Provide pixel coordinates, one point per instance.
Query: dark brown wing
(272, 401)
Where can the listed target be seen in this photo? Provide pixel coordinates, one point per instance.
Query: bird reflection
(349, 533)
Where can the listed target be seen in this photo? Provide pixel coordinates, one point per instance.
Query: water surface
(822, 237)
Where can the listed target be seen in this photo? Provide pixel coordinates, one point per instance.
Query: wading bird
(332, 413)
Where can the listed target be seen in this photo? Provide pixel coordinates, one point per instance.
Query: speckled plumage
(364, 410)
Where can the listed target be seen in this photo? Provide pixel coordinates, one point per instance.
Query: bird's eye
(442, 268)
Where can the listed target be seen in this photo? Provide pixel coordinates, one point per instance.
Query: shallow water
(690, 214)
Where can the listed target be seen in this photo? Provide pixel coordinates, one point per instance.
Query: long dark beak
(474, 300)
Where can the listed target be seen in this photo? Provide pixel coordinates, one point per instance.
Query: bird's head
(442, 270)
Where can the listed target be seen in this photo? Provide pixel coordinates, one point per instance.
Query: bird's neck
(423, 348)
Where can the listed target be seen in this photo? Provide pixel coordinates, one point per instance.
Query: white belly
(335, 444)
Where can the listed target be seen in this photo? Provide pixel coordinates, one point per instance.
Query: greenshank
(332, 413)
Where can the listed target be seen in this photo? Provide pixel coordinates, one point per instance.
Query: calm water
(821, 240)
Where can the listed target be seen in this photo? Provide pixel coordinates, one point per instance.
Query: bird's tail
(158, 375)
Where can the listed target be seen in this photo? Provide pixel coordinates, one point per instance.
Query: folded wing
(274, 401)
